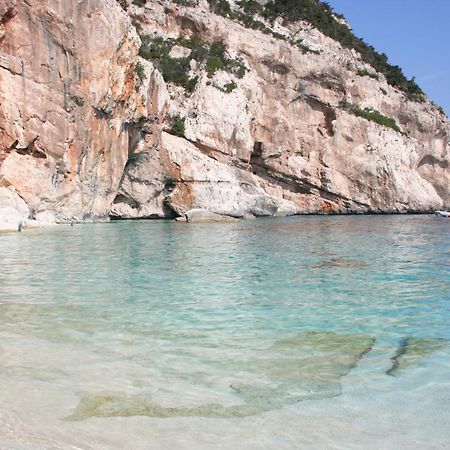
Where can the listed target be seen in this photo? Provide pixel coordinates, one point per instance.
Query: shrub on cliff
(178, 126)
(221, 7)
(227, 88)
(321, 16)
(375, 116)
(79, 101)
(211, 57)
(218, 60)
(190, 3)
(140, 71)
(366, 73)
(174, 70)
(230, 87)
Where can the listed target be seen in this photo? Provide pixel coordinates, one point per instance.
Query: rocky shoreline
(152, 109)
(12, 221)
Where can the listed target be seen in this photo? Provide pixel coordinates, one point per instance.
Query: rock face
(70, 104)
(268, 127)
(174, 177)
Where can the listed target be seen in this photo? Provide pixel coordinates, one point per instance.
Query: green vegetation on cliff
(249, 9)
(375, 116)
(366, 73)
(178, 126)
(320, 15)
(140, 71)
(218, 60)
(212, 57)
(174, 70)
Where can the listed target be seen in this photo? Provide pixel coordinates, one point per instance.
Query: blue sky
(415, 34)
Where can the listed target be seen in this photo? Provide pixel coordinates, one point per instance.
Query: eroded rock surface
(87, 127)
(284, 139)
(70, 104)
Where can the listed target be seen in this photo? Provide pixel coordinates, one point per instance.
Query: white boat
(442, 213)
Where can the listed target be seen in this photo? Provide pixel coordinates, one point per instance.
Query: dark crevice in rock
(102, 114)
(285, 182)
(168, 210)
(330, 117)
(260, 169)
(204, 182)
(279, 68)
(208, 151)
(8, 15)
(120, 198)
(430, 160)
(31, 149)
(328, 112)
(188, 24)
(257, 152)
(331, 81)
(170, 185)
(135, 159)
(294, 184)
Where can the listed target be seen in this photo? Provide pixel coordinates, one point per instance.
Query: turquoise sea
(307, 332)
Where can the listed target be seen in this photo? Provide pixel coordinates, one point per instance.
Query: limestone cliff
(71, 105)
(151, 108)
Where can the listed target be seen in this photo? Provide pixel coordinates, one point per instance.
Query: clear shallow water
(306, 332)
